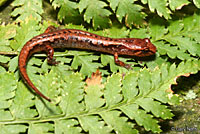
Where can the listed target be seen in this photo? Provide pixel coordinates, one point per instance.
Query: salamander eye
(145, 51)
(146, 40)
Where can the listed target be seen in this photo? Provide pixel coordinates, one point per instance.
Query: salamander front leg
(120, 63)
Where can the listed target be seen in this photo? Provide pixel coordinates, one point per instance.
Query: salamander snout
(150, 46)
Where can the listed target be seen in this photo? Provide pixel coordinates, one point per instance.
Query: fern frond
(27, 8)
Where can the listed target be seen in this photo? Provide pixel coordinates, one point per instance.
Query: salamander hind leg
(50, 52)
(121, 63)
(50, 29)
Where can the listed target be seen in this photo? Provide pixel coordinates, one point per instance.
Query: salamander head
(140, 47)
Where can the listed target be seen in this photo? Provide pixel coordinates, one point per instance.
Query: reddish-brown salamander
(71, 38)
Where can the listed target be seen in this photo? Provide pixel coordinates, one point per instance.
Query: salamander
(78, 39)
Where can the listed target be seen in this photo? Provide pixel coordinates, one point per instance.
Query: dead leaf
(95, 79)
